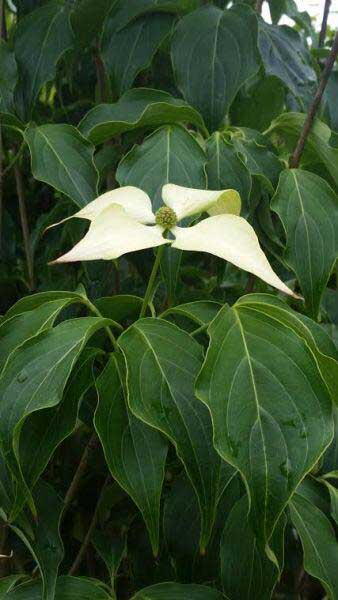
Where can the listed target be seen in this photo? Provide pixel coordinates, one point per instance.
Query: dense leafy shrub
(168, 420)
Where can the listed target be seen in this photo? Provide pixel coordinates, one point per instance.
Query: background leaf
(48, 34)
(8, 77)
(135, 453)
(311, 231)
(140, 107)
(214, 52)
(318, 540)
(129, 50)
(179, 591)
(64, 159)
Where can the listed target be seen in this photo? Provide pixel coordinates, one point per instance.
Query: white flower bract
(122, 221)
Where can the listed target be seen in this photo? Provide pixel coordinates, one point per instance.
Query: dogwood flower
(122, 221)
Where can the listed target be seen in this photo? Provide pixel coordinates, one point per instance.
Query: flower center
(166, 217)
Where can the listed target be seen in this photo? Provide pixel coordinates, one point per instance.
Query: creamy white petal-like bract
(232, 238)
(136, 203)
(187, 202)
(113, 233)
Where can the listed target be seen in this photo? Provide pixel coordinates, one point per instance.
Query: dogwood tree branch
(298, 151)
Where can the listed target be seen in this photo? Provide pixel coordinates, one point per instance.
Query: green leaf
(120, 307)
(19, 328)
(246, 571)
(127, 12)
(200, 312)
(28, 303)
(318, 148)
(225, 169)
(260, 104)
(45, 544)
(162, 363)
(257, 155)
(179, 591)
(111, 550)
(40, 39)
(128, 51)
(7, 583)
(64, 159)
(321, 346)
(8, 77)
(34, 379)
(331, 92)
(169, 155)
(134, 452)
(311, 229)
(137, 108)
(285, 56)
(319, 543)
(67, 588)
(87, 19)
(333, 492)
(44, 430)
(271, 411)
(214, 52)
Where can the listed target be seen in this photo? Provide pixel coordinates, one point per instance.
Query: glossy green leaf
(119, 308)
(169, 155)
(34, 379)
(140, 107)
(246, 571)
(87, 19)
(63, 158)
(319, 542)
(214, 52)
(29, 303)
(200, 311)
(112, 551)
(8, 77)
(285, 56)
(321, 346)
(179, 591)
(44, 430)
(318, 146)
(7, 583)
(311, 229)
(331, 93)
(162, 363)
(258, 156)
(225, 169)
(45, 544)
(67, 588)
(135, 453)
(126, 12)
(333, 493)
(41, 38)
(271, 411)
(19, 328)
(260, 104)
(128, 51)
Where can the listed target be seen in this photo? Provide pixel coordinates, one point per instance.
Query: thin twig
(80, 471)
(24, 226)
(78, 560)
(298, 151)
(323, 28)
(14, 159)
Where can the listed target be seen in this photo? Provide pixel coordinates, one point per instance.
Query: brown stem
(259, 5)
(24, 226)
(298, 151)
(323, 28)
(78, 560)
(80, 471)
